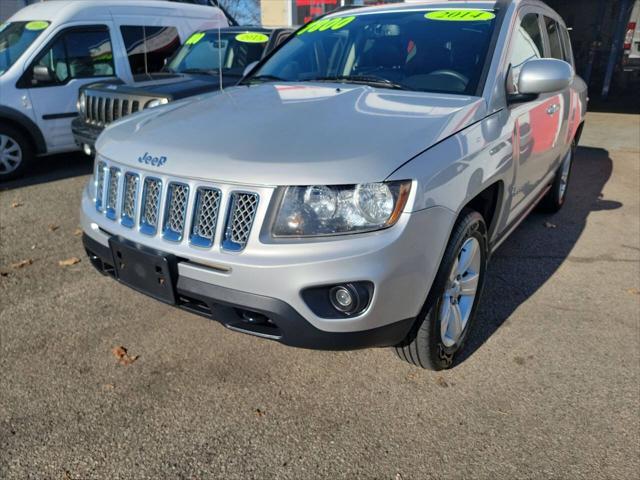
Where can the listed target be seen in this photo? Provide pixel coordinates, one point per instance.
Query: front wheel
(16, 152)
(444, 323)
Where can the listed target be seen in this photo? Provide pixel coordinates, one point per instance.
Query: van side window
(78, 53)
(149, 47)
(526, 45)
(553, 32)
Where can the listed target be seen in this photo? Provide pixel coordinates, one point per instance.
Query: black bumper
(257, 314)
(85, 133)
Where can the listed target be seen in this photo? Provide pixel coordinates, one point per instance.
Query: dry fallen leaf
(108, 386)
(442, 382)
(398, 476)
(21, 263)
(550, 225)
(519, 360)
(634, 291)
(260, 413)
(53, 228)
(69, 261)
(16, 204)
(4, 274)
(123, 357)
(77, 232)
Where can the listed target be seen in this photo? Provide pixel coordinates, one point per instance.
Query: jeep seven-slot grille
(102, 108)
(178, 213)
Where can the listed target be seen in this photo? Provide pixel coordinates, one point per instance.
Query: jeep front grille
(168, 212)
(176, 211)
(150, 205)
(241, 215)
(103, 107)
(205, 216)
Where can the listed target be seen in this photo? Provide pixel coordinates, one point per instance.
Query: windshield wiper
(360, 79)
(263, 78)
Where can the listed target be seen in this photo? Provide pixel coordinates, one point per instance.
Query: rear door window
(149, 47)
(553, 33)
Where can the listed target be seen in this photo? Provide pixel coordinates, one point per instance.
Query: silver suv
(350, 190)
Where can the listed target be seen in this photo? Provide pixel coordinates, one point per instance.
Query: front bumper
(84, 133)
(236, 310)
(269, 279)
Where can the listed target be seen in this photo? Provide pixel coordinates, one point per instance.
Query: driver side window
(526, 45)
(78, 53)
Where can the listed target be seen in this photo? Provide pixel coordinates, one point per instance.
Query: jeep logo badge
(151, 160)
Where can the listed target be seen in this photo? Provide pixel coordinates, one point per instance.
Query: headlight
(156, 102)
(82, 102)
(321, 210)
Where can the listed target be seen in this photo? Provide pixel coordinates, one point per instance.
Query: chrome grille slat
(101, 171)
(176, 211)
(116, 109)
(151, 197)
(112, 192)
(205, 216)
(129, 197)
(242, 212)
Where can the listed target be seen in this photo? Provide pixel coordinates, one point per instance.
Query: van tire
(13, 140)
(424, 346)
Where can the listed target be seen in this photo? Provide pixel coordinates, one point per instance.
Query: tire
(555, 198)
(426, 345)
(16, 152)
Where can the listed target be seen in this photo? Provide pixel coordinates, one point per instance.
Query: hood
(290, 133)
(173, 86)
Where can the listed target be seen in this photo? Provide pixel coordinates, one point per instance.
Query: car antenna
(220, 58)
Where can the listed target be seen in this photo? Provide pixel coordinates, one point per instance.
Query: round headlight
(82, 102)
(375, 201)
(322, 200)
(156, 102)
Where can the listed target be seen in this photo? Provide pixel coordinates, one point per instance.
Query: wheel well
(25, 126)
(579, 133)
(486, 204)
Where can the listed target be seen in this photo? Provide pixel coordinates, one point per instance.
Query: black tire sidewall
(25, 146)
(471, 224)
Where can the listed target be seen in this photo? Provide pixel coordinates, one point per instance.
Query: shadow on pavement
(534, 252)
(52, 168)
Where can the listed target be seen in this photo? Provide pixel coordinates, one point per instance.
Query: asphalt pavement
(551, 387)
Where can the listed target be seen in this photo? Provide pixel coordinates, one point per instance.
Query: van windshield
(421, 50)
(206, 52)
(15, 38)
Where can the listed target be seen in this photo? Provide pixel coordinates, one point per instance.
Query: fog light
(344, 298)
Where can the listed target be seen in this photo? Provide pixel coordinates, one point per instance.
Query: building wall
(275, 12)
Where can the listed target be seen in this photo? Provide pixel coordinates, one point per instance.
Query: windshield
(431, 51)
(15, 38)
(206, 52)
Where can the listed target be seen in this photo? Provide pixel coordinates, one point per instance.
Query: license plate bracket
(146, 270)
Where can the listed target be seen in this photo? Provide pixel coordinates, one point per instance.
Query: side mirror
(545, 75)
(42, 74)
(248, 68)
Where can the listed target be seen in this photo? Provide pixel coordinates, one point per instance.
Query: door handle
(553, 109)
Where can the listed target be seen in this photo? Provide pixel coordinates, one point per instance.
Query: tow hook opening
(255, 318)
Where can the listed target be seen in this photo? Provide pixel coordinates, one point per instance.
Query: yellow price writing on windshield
(36, 25)
(252, 37)
(195, 38)
(326, 24)
(461, 15)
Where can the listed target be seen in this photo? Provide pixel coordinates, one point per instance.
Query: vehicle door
(531, 135)
(76, 55)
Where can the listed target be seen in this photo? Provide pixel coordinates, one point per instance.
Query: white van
(49, 50)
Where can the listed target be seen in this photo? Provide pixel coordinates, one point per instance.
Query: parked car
(361, 178)
(49, 50)
(193, 70)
